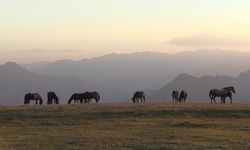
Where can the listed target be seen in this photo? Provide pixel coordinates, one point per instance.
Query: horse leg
(214, 99)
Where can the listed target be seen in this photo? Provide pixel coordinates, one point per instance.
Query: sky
(75, 29)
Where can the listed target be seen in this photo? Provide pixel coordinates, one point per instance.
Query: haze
(75, 29)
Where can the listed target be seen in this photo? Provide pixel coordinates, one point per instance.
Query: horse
(84, 97)
(92, 95)
(223, 93)
(139, 95)
(175, 96)
(183, 97)
(77, 97)
(52, 97)
(32, 96)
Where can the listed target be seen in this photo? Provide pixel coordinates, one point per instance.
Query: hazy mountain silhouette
(148, 69)
(198, 87)
(16, 81)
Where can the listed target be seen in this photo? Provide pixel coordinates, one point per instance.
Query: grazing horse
(139, 95)
(183, 97)
(32, 96)
(92, 95)
(84, 97)
(52, 97)
(223, 93)
(175, 96)
(77, 97)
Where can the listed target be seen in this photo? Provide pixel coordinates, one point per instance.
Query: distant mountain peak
(184, 76)
(11, 63)
(244, 74)
(12, 66)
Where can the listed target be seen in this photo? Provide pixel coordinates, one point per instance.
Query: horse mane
(229, 87)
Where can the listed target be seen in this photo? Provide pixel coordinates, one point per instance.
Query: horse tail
(211, 94)
(40, 99)
(97, 97)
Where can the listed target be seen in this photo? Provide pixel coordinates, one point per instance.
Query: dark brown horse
(175, 96)
(32, 96)
(76, 97)
(183, 97)
(92, 95)
(139, 96)
(52, 98)
(84, 97)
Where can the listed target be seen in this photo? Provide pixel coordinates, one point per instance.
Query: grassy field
(125, 126)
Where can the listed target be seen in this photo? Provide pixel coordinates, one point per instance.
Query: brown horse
(92, 95)
(32, 96)
(139, 96)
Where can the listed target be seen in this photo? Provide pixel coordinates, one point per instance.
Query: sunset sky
(88, 28)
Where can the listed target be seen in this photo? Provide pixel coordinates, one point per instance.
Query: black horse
(183, 97)
(32, 96)
(76, 97)
(139, 96)
(175, 96)
(84, 97)
(52, 98)
(223, 93)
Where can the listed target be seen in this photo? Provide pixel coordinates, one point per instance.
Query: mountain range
(117, 76)
(146, 70)
(16, 81)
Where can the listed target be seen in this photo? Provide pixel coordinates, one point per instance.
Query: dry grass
(125, 126)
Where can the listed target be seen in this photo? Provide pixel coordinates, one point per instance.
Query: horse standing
(223, 93)
(52, 98)
(32, 96)
(183, 97)
(139, 96)
(175, 96)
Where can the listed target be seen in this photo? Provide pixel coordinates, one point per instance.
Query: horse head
(133, 98)
(230, 88)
